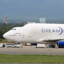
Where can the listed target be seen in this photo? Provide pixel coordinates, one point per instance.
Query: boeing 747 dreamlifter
(37, 33)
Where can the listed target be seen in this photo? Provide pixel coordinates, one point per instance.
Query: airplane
(37, 33)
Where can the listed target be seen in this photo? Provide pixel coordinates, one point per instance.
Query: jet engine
(60, 44)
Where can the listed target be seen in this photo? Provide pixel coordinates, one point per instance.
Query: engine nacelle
(60, 44)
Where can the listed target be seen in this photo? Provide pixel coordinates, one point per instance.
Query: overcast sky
(32, 8)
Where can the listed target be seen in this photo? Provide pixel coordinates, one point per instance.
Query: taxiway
(33, 50)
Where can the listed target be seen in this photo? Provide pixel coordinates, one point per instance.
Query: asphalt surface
(33, 50)
(31, 63)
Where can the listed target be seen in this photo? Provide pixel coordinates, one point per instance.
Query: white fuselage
(35, 32)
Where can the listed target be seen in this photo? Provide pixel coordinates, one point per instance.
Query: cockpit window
(13, 29)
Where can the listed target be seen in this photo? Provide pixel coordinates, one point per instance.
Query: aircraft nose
(5, 35)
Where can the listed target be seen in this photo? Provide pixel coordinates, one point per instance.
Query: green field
(4, 58)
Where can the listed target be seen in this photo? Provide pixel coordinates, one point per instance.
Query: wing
(48, 40)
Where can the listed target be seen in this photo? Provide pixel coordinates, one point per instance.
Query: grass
(5, 41)
(4, 58)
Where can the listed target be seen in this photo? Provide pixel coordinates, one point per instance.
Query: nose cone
(5, 35)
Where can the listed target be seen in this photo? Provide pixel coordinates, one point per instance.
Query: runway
(31, 63)
(33, 50)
